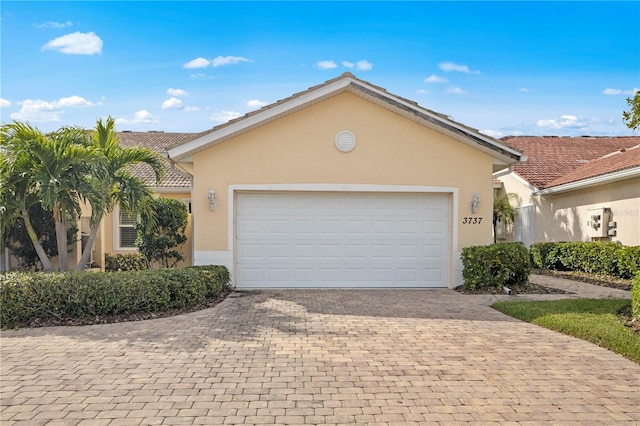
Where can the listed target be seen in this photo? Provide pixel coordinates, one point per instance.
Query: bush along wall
(29, 299)
(600, 258)
(124, 262)
(495, 266)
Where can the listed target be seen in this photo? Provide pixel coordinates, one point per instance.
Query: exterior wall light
(211, 196)
(474, 203)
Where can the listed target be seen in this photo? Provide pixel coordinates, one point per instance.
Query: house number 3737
(471, 220)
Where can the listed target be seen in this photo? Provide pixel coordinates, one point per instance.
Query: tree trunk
(61, 237)
(46, 263)
(86, 254)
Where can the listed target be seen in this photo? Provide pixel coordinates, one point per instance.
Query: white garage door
(341, 240)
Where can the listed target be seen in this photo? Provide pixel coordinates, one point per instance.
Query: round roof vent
(345, 141)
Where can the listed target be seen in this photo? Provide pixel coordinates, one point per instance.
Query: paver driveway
(283, 357)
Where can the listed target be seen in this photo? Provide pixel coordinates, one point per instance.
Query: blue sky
(532, 68)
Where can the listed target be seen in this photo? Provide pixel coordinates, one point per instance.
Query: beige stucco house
(342, 185)
(116, 233)
(575, 189)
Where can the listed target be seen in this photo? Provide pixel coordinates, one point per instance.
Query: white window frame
(116, 232)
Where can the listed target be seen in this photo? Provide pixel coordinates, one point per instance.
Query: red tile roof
(617, 161)
(158, 142)
(551, 157)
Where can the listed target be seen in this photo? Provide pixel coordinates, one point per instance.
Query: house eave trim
(596, 180)
(501, 152)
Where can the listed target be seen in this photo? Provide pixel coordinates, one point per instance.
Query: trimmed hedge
(29, 298)
(635, 298)
(600, 258)
(495, 266)
(124, 262)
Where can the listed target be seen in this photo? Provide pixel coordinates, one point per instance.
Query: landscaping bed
(601, 280)
(527, 288)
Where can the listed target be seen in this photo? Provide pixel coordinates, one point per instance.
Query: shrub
(601, 258)
(124, 262)
(539, 253)
(161, 231)
(495, 266)
(629, 261)
(32, 298)
(635, 298)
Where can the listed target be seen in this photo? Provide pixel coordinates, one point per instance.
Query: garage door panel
(342, 240)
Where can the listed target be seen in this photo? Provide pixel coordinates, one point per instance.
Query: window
(127, 234)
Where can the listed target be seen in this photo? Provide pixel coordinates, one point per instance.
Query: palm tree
(502, 211)
(37, 167)
(111, 181)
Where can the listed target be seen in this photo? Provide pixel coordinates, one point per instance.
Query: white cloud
(524, 89)
(455, 91)
(224, 116)
(172, 103)
(142, 116)
(493, 133)
(76, 44)
(4, 103)
(53, 24)
(74, 101)
(423, 92)
(255, 103)
(565, 122)
(191, 109)
(176, 92)
(228, 60)
(450, 67)
(326, 65)
(364, 65)
(197, 63)
(37, 110)
(435, 79)
(620, 91)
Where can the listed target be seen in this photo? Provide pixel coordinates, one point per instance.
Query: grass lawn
(594, 320)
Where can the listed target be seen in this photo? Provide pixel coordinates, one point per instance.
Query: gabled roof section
(551, 158)
(347, 82)
(158, 142)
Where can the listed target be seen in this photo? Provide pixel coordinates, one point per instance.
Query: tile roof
(551, 157)
(158, 142)
(614, 162)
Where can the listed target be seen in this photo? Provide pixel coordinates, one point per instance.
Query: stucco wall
(299, 148)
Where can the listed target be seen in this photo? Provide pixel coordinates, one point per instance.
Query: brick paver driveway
(283, 357)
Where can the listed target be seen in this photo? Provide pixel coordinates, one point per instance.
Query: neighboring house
(575, 189)
(117, 234)
(341, 185)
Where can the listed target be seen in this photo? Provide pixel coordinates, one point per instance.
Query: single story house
(575, 189)
(343, 185)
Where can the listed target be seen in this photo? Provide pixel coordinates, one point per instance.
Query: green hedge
(635, 298)
(601, 258)
(124, 262)
(30, 298)
(495, 266)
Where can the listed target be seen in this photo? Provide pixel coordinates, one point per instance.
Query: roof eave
(502, 154)
(593, 181)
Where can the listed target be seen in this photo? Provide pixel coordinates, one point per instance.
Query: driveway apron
(317, 357)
